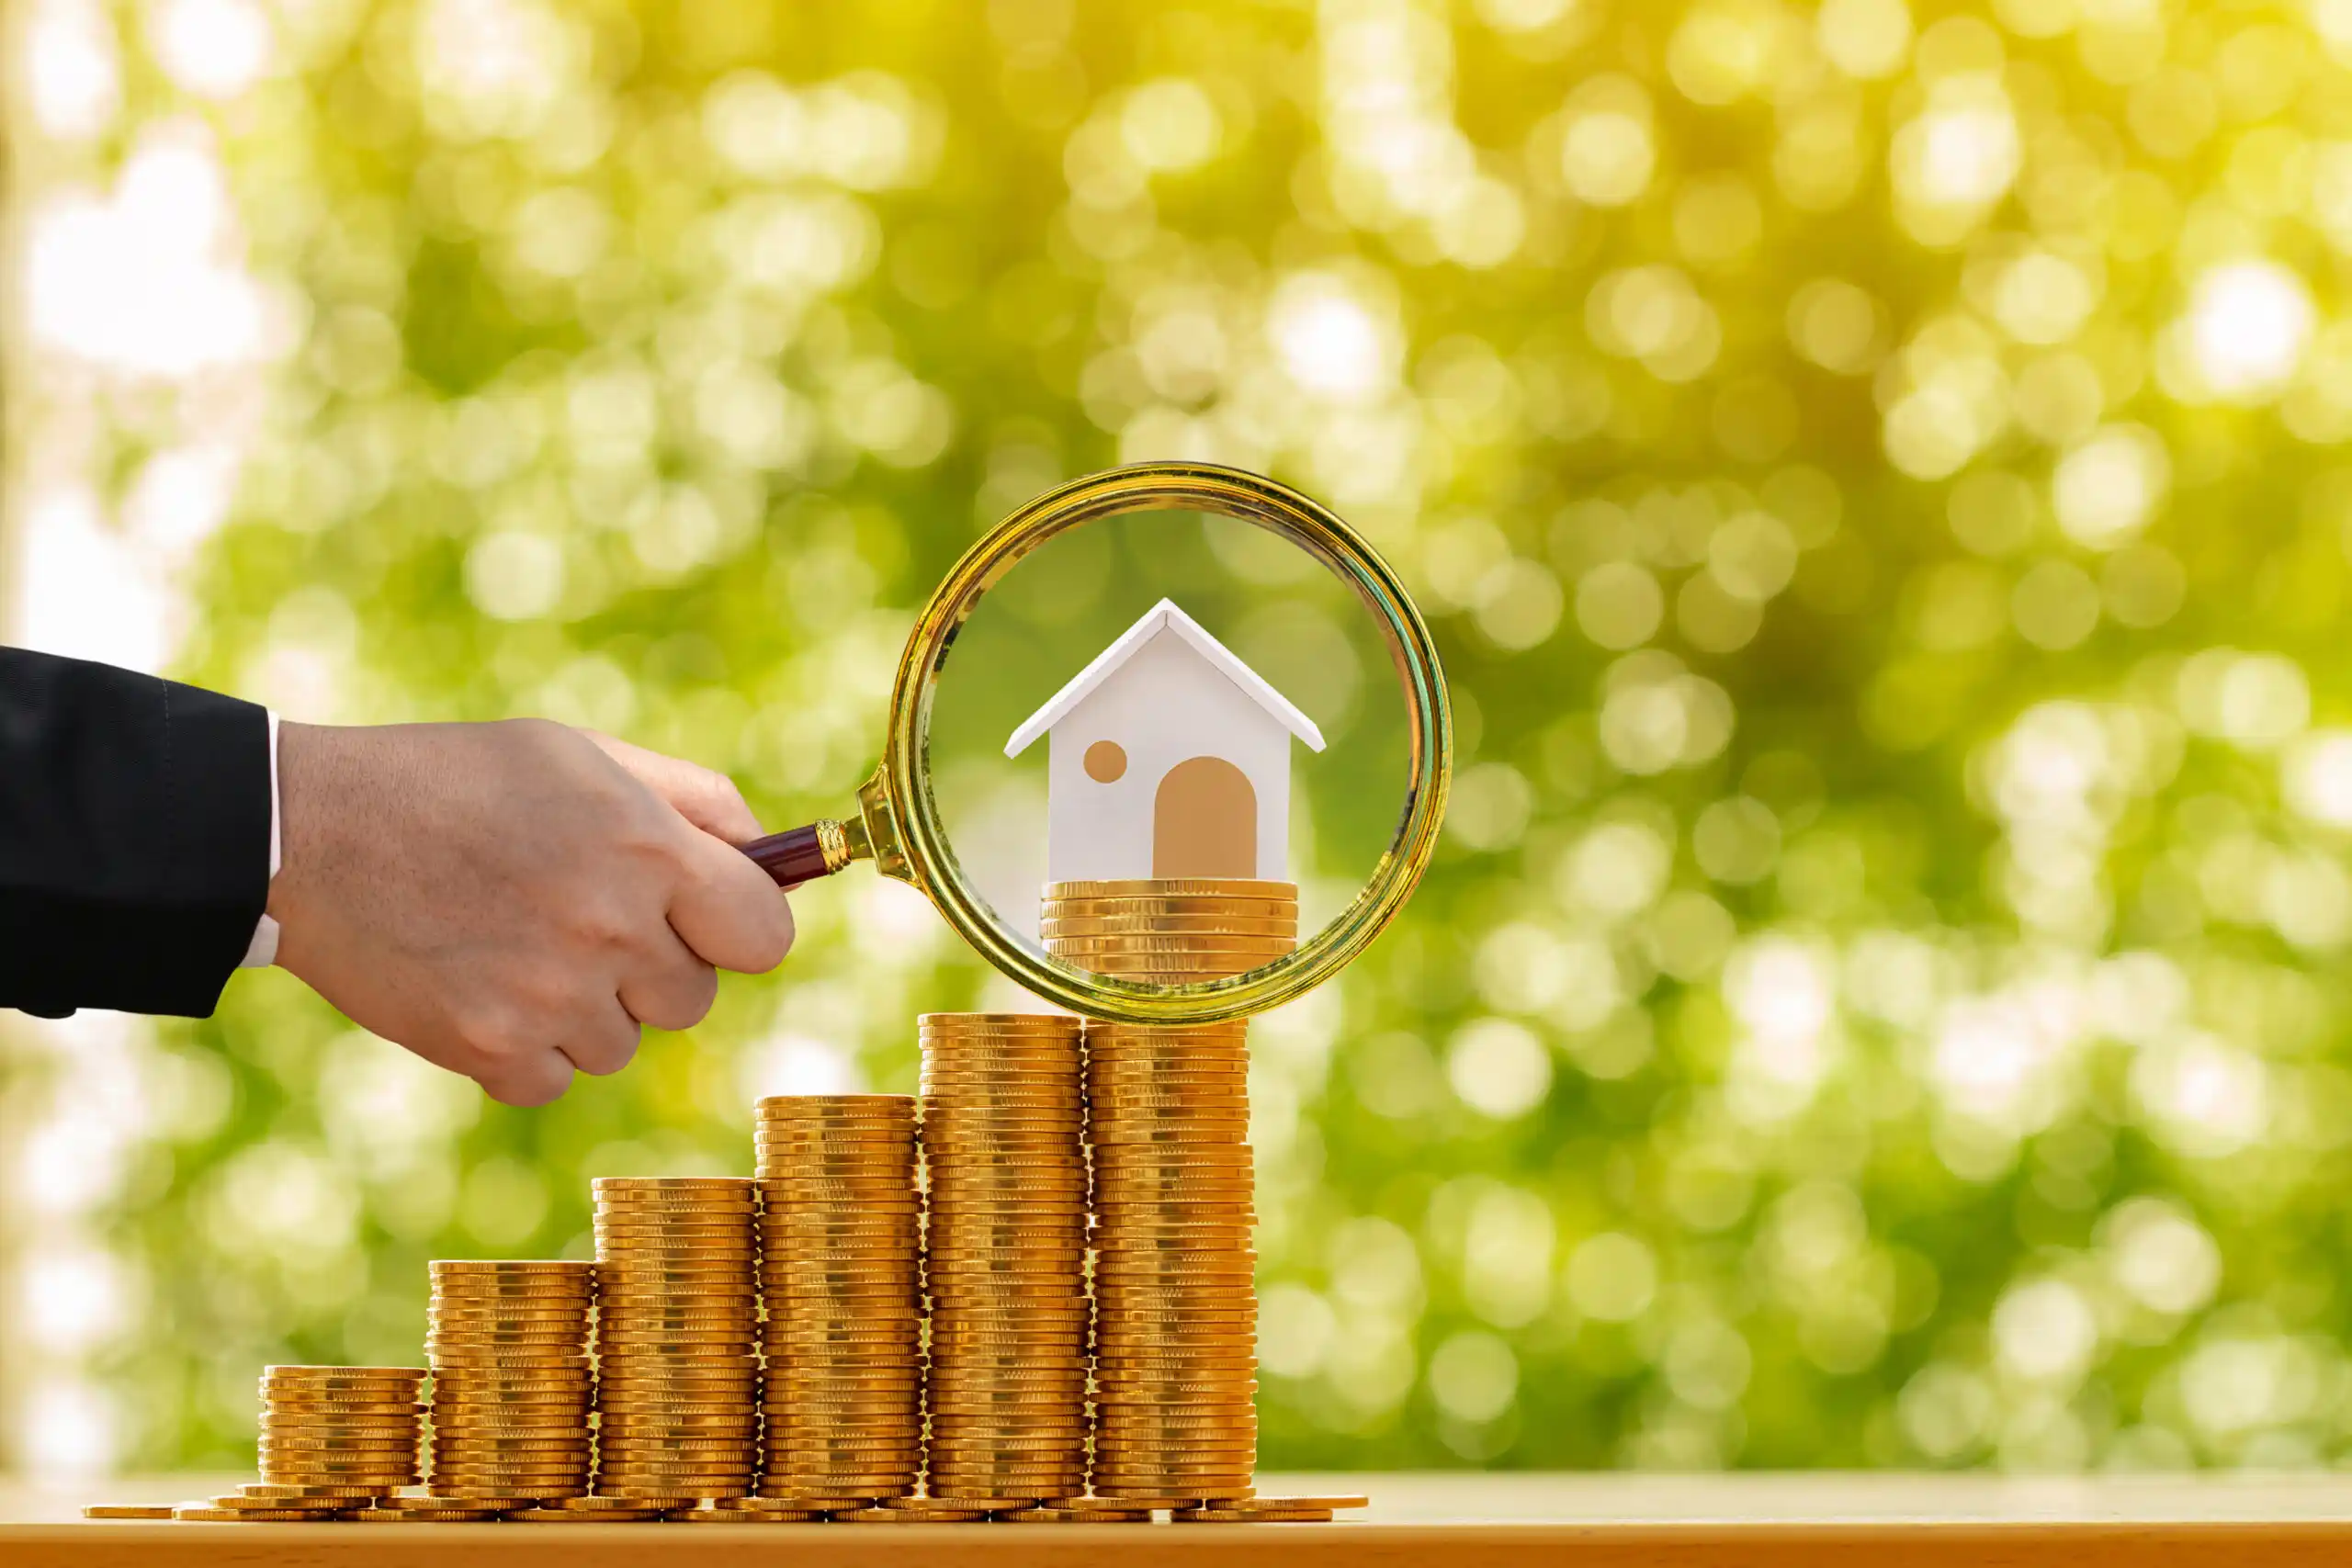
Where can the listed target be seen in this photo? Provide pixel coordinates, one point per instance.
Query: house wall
(1165, 704)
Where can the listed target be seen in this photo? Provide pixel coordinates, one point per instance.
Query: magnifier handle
(801, 854)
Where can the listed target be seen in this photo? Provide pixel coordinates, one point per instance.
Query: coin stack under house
(353, 1430)
(840, 1268)
(1005, 1256)
(677, 1339)
(512, 1384)
(1176, 1310)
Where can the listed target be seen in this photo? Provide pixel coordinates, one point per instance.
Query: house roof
(1163, 616)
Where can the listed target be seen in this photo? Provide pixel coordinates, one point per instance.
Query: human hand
(513, 900)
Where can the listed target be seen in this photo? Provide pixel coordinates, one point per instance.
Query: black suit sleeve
(134, 838)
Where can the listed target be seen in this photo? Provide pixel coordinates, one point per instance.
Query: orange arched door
(1204, 821)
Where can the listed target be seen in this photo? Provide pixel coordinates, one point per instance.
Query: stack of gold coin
(353, 1430)
(1176, 1304)
(677, 1339)
(840, 1251)
(1005, 1256)
(1170, 930)
(512, 1384)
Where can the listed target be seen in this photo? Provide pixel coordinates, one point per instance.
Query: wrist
(307, 771)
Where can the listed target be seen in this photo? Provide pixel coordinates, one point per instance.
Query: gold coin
(427, 1515)
(1041, 1483)
(706, 1516)
(1271, 917)
(1067, 939)
(283, 1443)
(554, 1270)
(497, 1389)
(409, 1501)
(1168, 933)
(127, 1511)
(292, 1373)
(292, 1505)
(883, 1516)
(1047, 1516)
(1194, 1071)
(205, 1513)
(302, 1409)
(713, 1252)
(553, 1517)
(1039, 1119)
(1203, 1241)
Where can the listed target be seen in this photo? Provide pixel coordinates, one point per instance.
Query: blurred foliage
(1872, 474)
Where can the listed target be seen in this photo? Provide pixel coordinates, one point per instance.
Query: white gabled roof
(1163, 616)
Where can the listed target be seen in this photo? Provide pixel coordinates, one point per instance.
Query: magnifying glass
(1108, 944)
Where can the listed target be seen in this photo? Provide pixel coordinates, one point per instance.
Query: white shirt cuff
(261, 952)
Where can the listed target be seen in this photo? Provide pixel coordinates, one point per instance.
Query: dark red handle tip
(792, 857)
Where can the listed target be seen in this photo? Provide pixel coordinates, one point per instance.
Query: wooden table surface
(1416, 1522)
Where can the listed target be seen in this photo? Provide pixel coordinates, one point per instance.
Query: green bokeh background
(1872, 474)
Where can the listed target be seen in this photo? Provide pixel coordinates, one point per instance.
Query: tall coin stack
(512, 1385)
(355, 1428)
(1175, 1343)
(840, 1261)
(678, 1339)
(1005, 1256)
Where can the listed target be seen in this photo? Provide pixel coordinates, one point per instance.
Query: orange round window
(1106, 762)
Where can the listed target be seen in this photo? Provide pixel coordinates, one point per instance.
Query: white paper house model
(1170, 757)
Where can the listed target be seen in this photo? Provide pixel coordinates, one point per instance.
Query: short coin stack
(840, 1261)
(512, 1384)
(1170, 930)
(677, 1339)
(1005, 1256)
(352, 1430)
(1175, 1342)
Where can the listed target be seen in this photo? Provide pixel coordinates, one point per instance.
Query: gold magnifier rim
(925, 856)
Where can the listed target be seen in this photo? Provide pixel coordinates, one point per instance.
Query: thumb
(707, 799)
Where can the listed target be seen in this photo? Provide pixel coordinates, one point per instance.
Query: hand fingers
(708, 800)
(727, 911)
(604, 1043)
(670, 988)
(531, 1077)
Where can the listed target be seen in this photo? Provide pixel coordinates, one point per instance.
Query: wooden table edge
(1920, 1543)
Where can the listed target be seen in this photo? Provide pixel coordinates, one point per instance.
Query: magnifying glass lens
(1167, 748)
